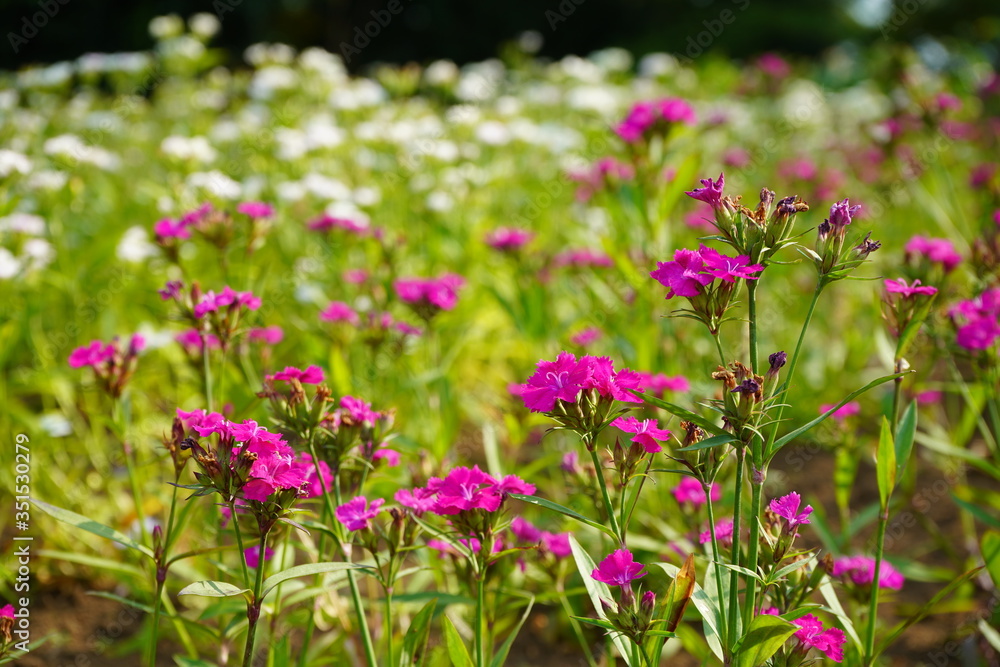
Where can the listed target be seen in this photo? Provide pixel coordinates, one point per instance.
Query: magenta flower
(195, 217)
(429, 295)
(644, 117)
(841, 214)
(728, 268)
(252, 555)
(690, 490)
(355, 276)
(937, 251)
(828, 642)
(860, 570)
(271, 335)
(557, 544)
(586, 336)
(660, 384)
(171, 229)
(684, 276)
(95, 354)
(172, 290)
(465, 489)
(561, 380)
(646, 432)
(419, 499)
(227, 298)
(723, 533)
(524, 531)
(338, 311)
(616, 385)
(582, 258)
(900, 287)
(787, 507)
(314, 486)
(618, 569)
(311, 375)
(7, 611)
(980, 334)
(256, 209)
(326, 222)
(976, 320)
(570, 463)
(390, 456)
(711, 194)
(509, 238)
(849, 409)
(270, 473)
(194, 341)
(356, 513)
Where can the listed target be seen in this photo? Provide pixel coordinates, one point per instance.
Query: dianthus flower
(509, 238)
(255, 209)
(326, 222)
(338, 311)
(311, 375)
(849, 409)
(812, 635)
(900, 287)
(429, 295)
(648, 116)
(690, 490)
(787, 507)
(618, 569)
(937, 251)
(860, 570)
(646, 431)
(356, 514)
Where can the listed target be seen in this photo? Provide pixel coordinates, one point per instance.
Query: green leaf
(415, 640)
(707, 607)
(787, 438)
(304, 571)
(905, 431)
(684, 414)
(765, 635)
(990, 547)
(184, 661)
(708, 443)
(983, 515)
(94, 561)
(845, 470)
(500, 657)
(212, 589)
(565, 511)
(598, 590)
(885, 464)
(833, 604)
(925, 610)
(457, 651)
(91, 526)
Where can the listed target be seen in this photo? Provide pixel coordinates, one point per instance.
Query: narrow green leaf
(788, 569)
(91, 526)
(990, 547)
(742, 570)
(845, 469)
(708, 443)
(707, 607)
(684, 414)
(787, 438)
(212, 589)
(94, 561)
(833, 604)
(415, 640)
(457, 650)
(983, 515)
(989, 633)
(184, 661)
(500, 657)
(905, 432)
(565, 511)
(764, 636)
(885, 464)
(598, 590)
(303, 571)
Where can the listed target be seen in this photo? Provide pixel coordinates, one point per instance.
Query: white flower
(612, 59)
(23, 223)
(11, 161)
(605, 100)
(440, 201)
(655, 65)
(493, 133)
(10, 266)
(216, 183)
(189, 148)
(39, 251)
(48, 179)
(72, 147)
(55, 424)
(135, 246)
(367, 196)
(204, 24)
(163, 27)
(271, 78)
(325, 187)
(441, 73)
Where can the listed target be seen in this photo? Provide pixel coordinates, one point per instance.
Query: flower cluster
(834, 259)
(217, 312)
(327, 222)
(790, 515)
(509, 239)
(113, 365)
(811, 634)
(605, 173)
(556, 544)
(652, 117)
(429, 296)
(463, 490)
(903, 304)
(860, 571)
(977, 321)
(934, 251)
(632, 615)
(690, 491)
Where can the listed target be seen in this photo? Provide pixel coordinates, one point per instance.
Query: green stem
(752, 316)
(734, 582)
(790, 375)
(206, 372)
(359, 609)
(627, 517)
(883, 519)
(239, 543)
(716, 560)
(751, 594)
(253, 609)
(605, 497)
(120, 416)
(156, 624)
(158, 602)
(718, 347)
(388, 625)
(481, 617)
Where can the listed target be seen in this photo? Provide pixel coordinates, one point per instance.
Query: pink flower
(195, 217)
(311, 375)
(269, 473)
(200, 418)
(326, 222)
(557, 544)
(171, 229)
(419, 499)
(227, 298)
(7, 611)
(728, 268)
(252, 555)
(860, 571)
(357, 411)
(95, 354)
(690, 490)
(268, 335)
(787, 507)
(524, 531)
(646, 432)
(615, 385)
(338, 311)
(938, 251)
(618, 569)
(465, 489)
(723, 533)
(586, 336)
(355, 276)
(172, 290)
(438, 293)
(849, 409)
(356, 513)
(660, 384)
(644, 117)
(390, 456)
(313, 485)
(773, 65)
(711, 193)
(900, 287)
(685, 276)
(841, 214)
(583, 257)
(811, 635)
(256, 209)
(194, 341)
(561, 380)
(508, 238)
(930, 396)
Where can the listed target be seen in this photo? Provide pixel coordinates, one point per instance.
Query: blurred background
(45, 31)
